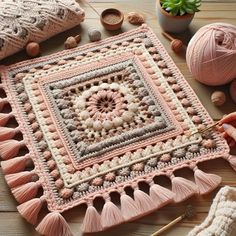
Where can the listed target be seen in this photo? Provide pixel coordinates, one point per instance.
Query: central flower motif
(105, 107)
(106, 104)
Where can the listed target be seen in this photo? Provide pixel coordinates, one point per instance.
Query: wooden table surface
(12, 224)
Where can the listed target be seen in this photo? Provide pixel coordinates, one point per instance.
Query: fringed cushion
(23, 21)
(98, 119)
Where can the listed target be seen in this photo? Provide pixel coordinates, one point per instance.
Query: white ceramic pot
(172, 24)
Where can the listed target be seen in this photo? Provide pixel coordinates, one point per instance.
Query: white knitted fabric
(22, 21)
(221, 220)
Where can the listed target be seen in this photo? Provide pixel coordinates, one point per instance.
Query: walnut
(218, 98)
(33, 49)
(70, 43)
(135, 18)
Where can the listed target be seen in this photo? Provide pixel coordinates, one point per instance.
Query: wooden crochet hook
(189, 212)
(206, 129)
(176, 44)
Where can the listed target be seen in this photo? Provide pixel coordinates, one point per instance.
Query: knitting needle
(206, 129)
(91, 7)
(189, 212)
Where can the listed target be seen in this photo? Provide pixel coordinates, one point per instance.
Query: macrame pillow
(22, 21)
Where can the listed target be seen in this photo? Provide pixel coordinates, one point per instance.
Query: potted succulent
(175, 15)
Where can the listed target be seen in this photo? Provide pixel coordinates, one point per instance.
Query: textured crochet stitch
(98, 119)
(22, 21)
(221, 217)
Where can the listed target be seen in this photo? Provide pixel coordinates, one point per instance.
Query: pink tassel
(10, 148)
(54, 224)
(30, 209)
(160, 195)
(3, 101)
(92, 221)
(129, 209)
(143, 201)
(14, 180)
(206, 182)
(26, 191)
(15, 165)
(8, 133)
(232, 161)
(4, 118)
(111, 215)
(183, 188)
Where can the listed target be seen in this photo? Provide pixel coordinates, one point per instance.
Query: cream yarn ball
(211, 54)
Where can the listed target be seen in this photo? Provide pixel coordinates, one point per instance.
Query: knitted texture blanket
(105, 117)
(221, 218)
(23, 21)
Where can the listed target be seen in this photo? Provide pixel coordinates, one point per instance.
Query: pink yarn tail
(54, 224)
(183, 188)
(16, 164)
(111, 215)
(30, 209)
(10, 148)
(7, 133)
(206, 182)
(143, 201)
(92, 221)
(26, 191)
(160, 195)
(129, 208)
(14, 180)
(4, 118)
(3, 101)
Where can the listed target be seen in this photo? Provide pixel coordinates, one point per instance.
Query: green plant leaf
(182, 11)
(181, 7)
(168, 9)
(174, 12)
(165, 5)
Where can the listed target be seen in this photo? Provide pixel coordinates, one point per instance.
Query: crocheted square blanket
(102, 118)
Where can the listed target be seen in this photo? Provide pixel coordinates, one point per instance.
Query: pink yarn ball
(211, 54)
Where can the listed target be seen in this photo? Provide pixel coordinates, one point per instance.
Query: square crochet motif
(98, 119)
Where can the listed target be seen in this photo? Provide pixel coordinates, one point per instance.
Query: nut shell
(218, 98)
(33, 49)
(70, 43)
(135, 18)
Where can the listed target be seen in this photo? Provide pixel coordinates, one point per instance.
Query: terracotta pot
(112, 19)
(172, 24)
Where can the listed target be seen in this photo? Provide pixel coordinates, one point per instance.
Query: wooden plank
(7, 201)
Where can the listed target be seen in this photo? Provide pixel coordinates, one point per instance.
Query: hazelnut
(135, 18)
(32, 49)
(70, 43)
(218, 98)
